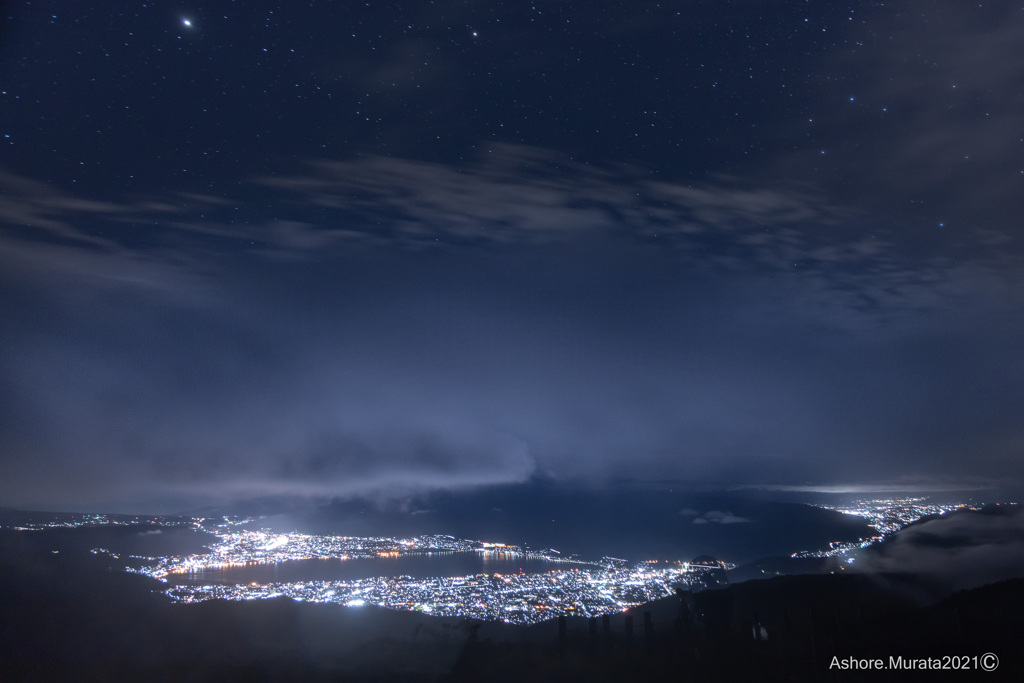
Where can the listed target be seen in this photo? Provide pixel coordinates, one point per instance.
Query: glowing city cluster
(240, 548)
(887, 516)
(579, 588)
(73, 521)
(514, 598)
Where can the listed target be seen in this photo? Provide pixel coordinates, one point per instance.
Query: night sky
(328, 249)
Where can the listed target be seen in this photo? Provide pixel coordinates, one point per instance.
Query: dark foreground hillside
(781, 629)
(65, 619)
(69, 619)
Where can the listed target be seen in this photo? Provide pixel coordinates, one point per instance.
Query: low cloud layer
(317, 363)
(712, 517)
(964, 550)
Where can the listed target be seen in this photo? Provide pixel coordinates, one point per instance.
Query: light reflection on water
(417, 566)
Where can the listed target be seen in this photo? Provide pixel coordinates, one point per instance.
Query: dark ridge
(781, 629)
(63, 618)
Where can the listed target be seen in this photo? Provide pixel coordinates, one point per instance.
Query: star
(187, 22)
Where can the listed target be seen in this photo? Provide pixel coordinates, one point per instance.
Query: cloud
(524, 195)
(713, 517)
(401, 325)
(299, 378)
(930, 109)
(34, 205)
(511, 196)
(720, 517)
(959, 550)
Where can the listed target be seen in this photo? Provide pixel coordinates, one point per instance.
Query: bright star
(187, 22)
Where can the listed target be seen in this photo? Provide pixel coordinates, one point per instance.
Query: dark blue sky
(326, 249)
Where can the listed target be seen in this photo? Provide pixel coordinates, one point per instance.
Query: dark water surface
(636, 524)
(416, 566)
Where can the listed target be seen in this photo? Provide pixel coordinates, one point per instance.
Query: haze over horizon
(303, 250)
